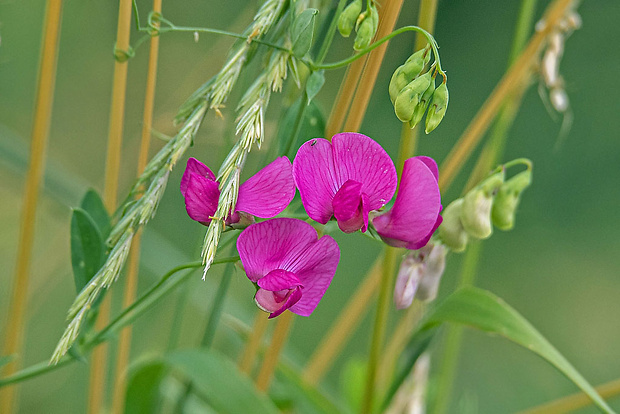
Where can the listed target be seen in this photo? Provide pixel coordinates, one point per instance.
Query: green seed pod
(397, 83)
(451, 230)
(437, 108)
(420, 108)
(367, 29)
(348, 17)
(409, 97)
(477, 204)
(416, 63)
(507, 200)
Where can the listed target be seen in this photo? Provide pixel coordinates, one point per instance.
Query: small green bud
(409, 97)
(367, 29)
(437, 108)
(420, 108)
(397, 83)
(416, 63)
(451, 230)
(507, 200)
(477, 204)
(348, 17)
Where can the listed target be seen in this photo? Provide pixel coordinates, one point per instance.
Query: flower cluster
(350, 180)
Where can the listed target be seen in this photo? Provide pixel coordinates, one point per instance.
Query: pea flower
(291, 266)
(346, 178)
(266, 194)
(414, 217)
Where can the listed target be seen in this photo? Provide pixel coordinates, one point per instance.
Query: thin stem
(331, 31)
(303, 104)
(40, 132)
(388, 16)
(342, 329)
(381, 320)
(217, 307)
(280, 334)
(250, 352)
(513, 78)
(131, 282)
(576, 401)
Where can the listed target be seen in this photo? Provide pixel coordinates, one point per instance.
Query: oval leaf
(143, 387)
(93, 205)
(482, 310)
(314, 84)
(87, 248)
(302, 32)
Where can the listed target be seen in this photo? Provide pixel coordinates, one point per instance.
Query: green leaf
(143, 387)
(219, 380)
(483, 310)
(314, 84)
(93, 205)
(302, 32)
(312, 124)
(87, 248)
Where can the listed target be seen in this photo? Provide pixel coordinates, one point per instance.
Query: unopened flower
(266, 194)
(408, 279)
(414, 217)
(346, 178)
(348, 17)
(477, 204)
(291, 266)
(419, 275)
(507, 200)
(451, 231)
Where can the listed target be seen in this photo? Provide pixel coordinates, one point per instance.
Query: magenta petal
(421, 243)
(315, 267)
(294, 297)
(348, 209)
(270, 302)
(273, 244)
(315, 177)
(415, 213)
(357, 157)
(268, 192)
(279, 279)
(201, 198)
(196, 167)
(431, 164)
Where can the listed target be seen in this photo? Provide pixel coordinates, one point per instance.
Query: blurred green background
(559, 267)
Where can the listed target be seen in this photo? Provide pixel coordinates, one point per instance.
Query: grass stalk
(514, 77)
(40, 131)
(280, 335)
(250, 352)
(344, 326)
(131, 283)
(343, 100)
(388, 15)
(97, 380)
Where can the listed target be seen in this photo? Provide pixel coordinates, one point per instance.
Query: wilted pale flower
(419, 275)
(408, 279)
(291, 266)
(266, 194)
(346, 178)
(415, 215)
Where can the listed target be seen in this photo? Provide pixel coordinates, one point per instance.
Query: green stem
(381, 319)
(216, 308)
(303, 104)
(330, 32)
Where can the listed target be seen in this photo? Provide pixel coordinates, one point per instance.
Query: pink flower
(266, 194)
(291, 266)
(346, 178)
(415, 215)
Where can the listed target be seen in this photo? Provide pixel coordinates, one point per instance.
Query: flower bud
(451, 230)
(558, 99)
(409, 276)
(477, 203)
(435, 261)
(408, 98)
(348, 17)
(408, 71)
(437, 108)
(507, 200)
(397, 83)
(367, 29)
(420, 108)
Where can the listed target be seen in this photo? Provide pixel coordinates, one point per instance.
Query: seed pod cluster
(365, 23)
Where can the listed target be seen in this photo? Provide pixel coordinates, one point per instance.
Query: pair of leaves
(214, 376)
(483, 310)
(90, 225)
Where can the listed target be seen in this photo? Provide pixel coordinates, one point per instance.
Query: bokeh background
(559, 267)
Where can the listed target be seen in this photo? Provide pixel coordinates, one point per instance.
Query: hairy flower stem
(488, 158)
(280, 334)
(40, 132)
(97, 381)
(380, 327)
(131, 283)
(511, 80)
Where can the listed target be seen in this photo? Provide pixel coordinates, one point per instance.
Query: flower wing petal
(416, 209)
(279, 279)
(358, 157)
(268, 192)
(201, 198)
(273, 244)
(196, 167)
(348, 208)
(315, 177)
